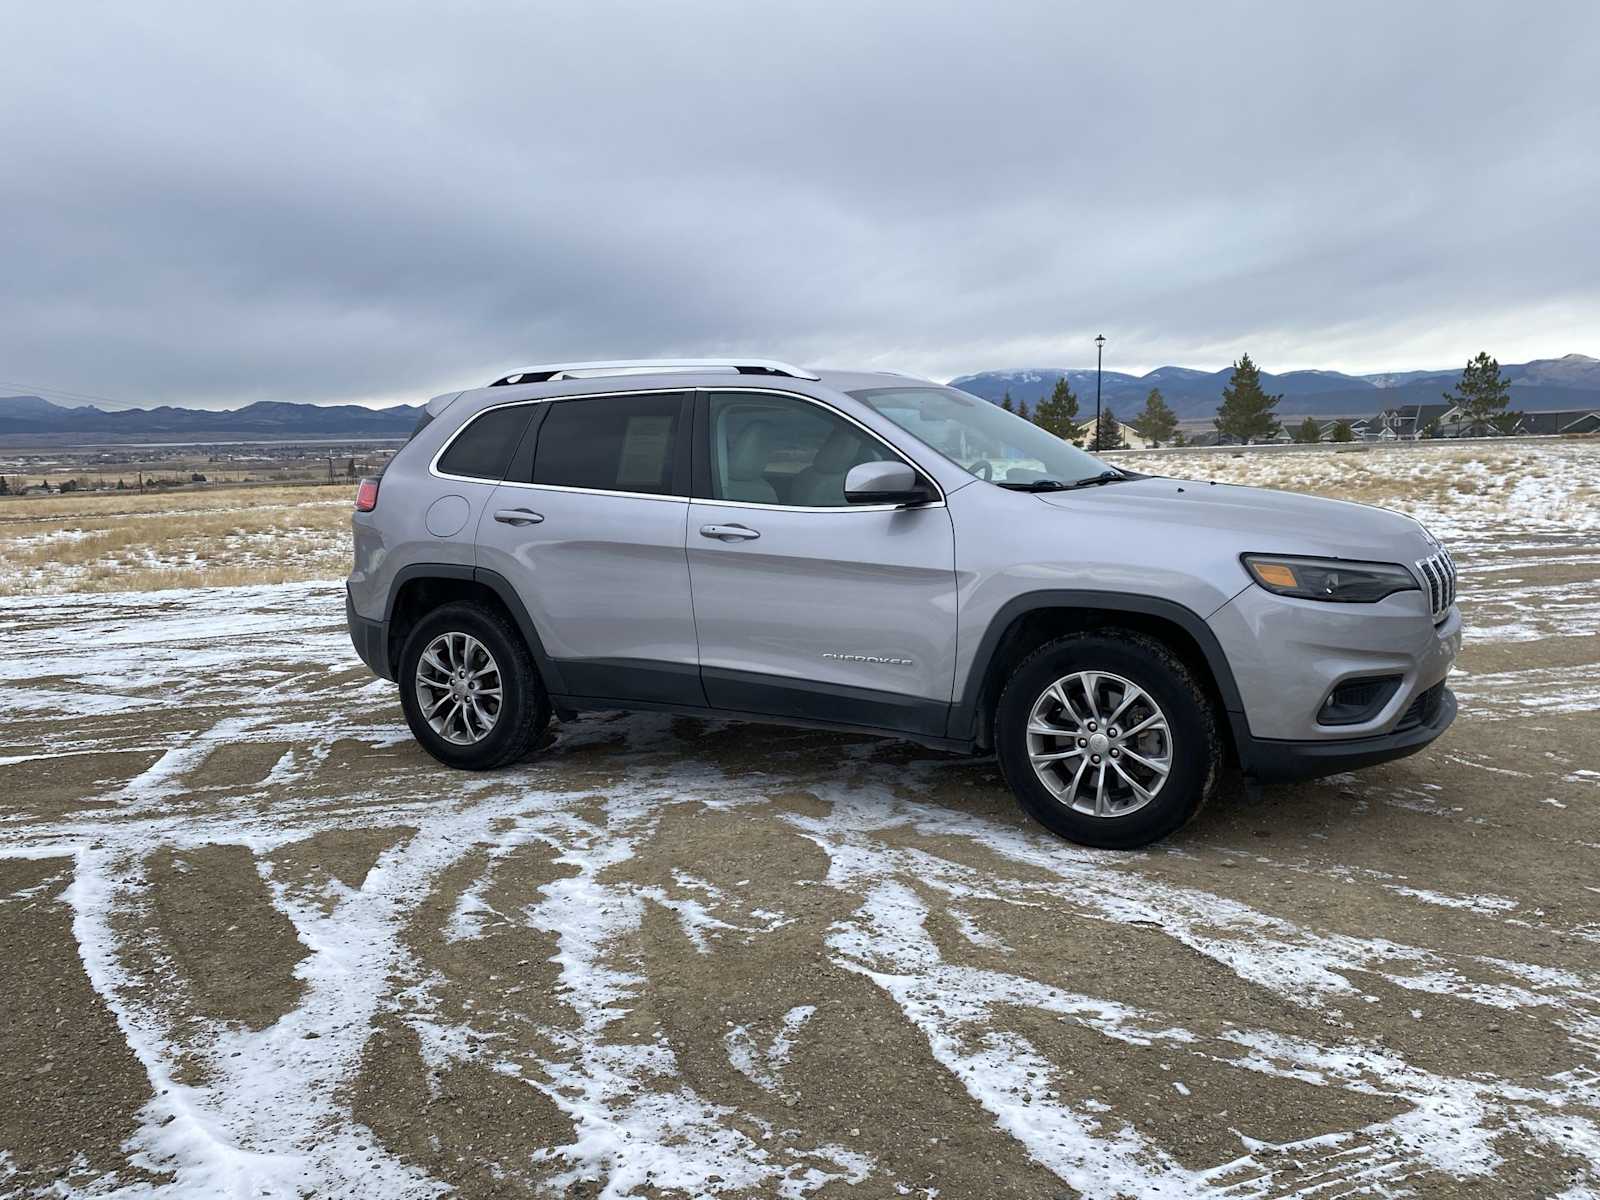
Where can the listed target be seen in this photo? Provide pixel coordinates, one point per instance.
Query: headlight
(1329, 578)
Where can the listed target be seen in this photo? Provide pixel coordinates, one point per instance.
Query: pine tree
(1005, 402)
(1058, 414)
(1156, 423)
(1309, 431)
(1246, 411)
(1108, 436)
(5, 488)
(1178, 439)
(1342, 432)
(1482, 395)
(1022, 411)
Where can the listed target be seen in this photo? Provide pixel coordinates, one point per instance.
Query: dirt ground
(255, 943)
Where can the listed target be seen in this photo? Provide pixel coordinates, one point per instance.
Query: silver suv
(877, 553)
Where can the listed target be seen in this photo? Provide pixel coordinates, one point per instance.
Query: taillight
(367, 494)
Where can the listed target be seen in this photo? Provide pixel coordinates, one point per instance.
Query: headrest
(838, 453)
(752, 447)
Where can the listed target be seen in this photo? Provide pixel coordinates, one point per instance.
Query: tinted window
(614, 443)
(483, 449)
(773, 450)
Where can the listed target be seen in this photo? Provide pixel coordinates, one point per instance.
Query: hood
(1257, 520)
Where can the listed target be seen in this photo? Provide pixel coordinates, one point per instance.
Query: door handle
(729, 533)
(518, 516)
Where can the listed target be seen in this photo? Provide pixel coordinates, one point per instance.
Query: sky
(210, 204)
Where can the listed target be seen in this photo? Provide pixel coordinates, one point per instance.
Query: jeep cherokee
(873, 552)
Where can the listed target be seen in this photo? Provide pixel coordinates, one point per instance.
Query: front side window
(483, 449)
(611, 443)
(778, 450)
(982, 438)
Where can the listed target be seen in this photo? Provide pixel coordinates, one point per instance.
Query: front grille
(1439, 573)
(1423, 709)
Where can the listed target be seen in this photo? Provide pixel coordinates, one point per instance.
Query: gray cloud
(214, 204)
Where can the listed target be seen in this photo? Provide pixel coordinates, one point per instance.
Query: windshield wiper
(1095, 480)
(1037, 485)
(1055, 485)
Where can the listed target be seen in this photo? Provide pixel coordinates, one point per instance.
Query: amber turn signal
(1276, 574)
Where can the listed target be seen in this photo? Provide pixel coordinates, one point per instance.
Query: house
(1131, 437)
(1571, 421)
(1407, 422)
(1454, 424)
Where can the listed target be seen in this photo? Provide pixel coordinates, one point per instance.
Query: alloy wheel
(1099, 743)
(459, 688)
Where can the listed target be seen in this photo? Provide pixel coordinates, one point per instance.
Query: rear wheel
(469, 688)
(1107, 739)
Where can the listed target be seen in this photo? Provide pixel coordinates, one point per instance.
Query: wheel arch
(1028, 621)
(420, 588)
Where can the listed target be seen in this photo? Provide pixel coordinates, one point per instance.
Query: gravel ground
(256, 943)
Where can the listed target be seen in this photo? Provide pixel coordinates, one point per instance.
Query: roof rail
(549, 372)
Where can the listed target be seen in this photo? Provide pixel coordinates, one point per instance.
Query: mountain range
(1540, 385)
(25, 419)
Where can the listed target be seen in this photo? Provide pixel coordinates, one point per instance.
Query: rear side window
(484, 448)
(611, 443)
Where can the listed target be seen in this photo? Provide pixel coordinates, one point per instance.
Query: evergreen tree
(1246, 411)
(1482, 396)
(1005, 402)
(1342, 432)
(1058, 414)
(1156, 423)
(1178, 439)
(1108, 436)
(1022, 411)
(5, 488)
(1309, 431)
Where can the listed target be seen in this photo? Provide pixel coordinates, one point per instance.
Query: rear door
(588, 527)
(807, 606)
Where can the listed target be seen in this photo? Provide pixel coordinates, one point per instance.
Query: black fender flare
(549, 673)
(965, 713)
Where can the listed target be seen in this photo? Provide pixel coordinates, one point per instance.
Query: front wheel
(1107, 739)
(469, 688)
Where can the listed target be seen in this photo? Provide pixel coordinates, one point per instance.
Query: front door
(588, 526)
(807, 606)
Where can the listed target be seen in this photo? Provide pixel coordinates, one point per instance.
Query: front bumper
(1288, 655)
(1272, 761)
(370, 638)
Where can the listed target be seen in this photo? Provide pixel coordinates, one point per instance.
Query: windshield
(980, 437)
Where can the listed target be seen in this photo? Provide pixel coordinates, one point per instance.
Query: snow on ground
(1454, 488)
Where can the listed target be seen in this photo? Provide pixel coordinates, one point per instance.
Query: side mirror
(884, 483)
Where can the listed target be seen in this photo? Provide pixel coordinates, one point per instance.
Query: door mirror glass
(883, 483)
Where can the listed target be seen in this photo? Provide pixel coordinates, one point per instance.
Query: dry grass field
(218, 537)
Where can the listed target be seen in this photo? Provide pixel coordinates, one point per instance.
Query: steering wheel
(982, 468)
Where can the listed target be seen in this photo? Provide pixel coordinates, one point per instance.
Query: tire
(524, 707)
(1110, 659)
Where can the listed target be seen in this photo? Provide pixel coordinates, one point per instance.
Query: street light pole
(1099, 349)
